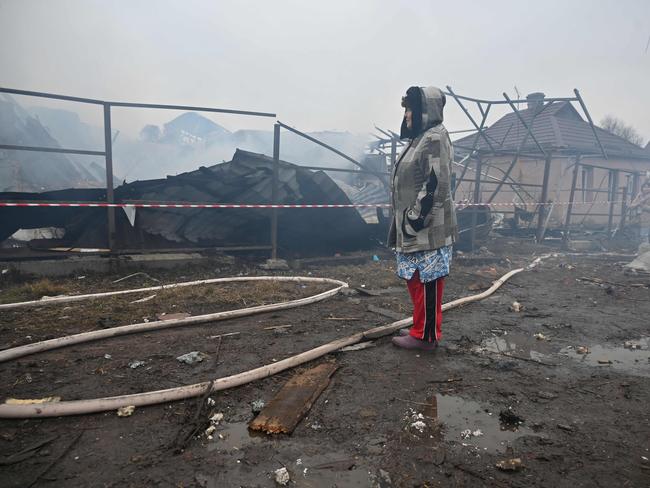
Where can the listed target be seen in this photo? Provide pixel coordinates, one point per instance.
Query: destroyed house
(565, 137)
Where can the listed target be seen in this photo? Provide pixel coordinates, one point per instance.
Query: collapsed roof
(245, 179)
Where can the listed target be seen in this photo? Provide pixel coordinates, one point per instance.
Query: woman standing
(423, 228)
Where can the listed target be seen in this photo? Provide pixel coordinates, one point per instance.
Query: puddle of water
(518, 344)
(632, 361)
(233, 436)
(458, 415)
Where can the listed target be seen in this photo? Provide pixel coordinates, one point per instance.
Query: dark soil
(502, 384)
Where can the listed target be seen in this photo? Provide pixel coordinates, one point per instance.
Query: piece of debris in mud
(191, 357)
(136, 364)
(293, 401)
(516, 307)
(469, 433)
(215, 419)
(509, 419)
(126, 411)
(257, 406)
(282, 477)
(582, 350)
(513, 464)
(145, 299)
(541, 337)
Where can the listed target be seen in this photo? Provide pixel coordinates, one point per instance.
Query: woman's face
(408, 115)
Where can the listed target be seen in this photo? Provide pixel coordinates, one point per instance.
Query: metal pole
(567, 220)
(591, 122)
(274, 191)
(477, 197)
(110, 198)
(621, 226)
(542, 203)
(471, 119)
(613, 183)
(523, 122)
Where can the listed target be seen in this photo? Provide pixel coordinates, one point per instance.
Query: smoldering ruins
(267, 299)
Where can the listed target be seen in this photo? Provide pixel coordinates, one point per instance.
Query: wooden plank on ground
(293, 401)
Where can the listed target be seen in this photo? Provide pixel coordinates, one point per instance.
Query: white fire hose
(78, 407)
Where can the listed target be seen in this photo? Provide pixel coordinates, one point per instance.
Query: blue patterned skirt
(430, 264)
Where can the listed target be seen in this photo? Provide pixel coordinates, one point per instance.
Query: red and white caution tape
(256, 205)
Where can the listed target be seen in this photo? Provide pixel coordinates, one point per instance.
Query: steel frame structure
(107, 153)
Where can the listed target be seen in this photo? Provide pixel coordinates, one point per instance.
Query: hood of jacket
(426, 104)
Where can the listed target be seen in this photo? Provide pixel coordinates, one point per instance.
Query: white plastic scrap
(191, 357)
(468, 433)
(541, 337)
(419, 425)
(282, 477)
(126, 411)
(136, 364)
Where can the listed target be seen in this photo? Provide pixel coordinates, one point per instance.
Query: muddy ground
(503, 384)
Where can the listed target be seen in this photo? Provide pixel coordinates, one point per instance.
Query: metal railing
(107, 153)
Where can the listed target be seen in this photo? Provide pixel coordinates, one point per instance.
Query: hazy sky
(335, 64)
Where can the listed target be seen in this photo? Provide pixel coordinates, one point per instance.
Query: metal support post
(541, 218)
(477, 198)
(613, 183)
(567, 219)
(110, 198)
(274, 191)
(621, 225)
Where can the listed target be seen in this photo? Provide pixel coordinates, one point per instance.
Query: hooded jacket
(424, 217)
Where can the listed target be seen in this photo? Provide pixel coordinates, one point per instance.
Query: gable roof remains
(558, 127)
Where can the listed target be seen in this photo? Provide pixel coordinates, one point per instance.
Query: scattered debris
(294, 400)
(568, 428)
(632, 345)
(282, 477)
(513, 464)
(582, 350)
(137, 274)
(604, 361)
(210, 401)
(541, 337)
(257, 406)
(469, 433)
(136, 364)
(192, 357)
(145, 299)
(224, 335)
(126, 411)
(32, 401)
(342, 318)
(419, 425)
(107, 356)
(516, 307)
(276, 327)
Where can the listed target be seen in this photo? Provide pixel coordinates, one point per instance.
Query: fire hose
(94, 405)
